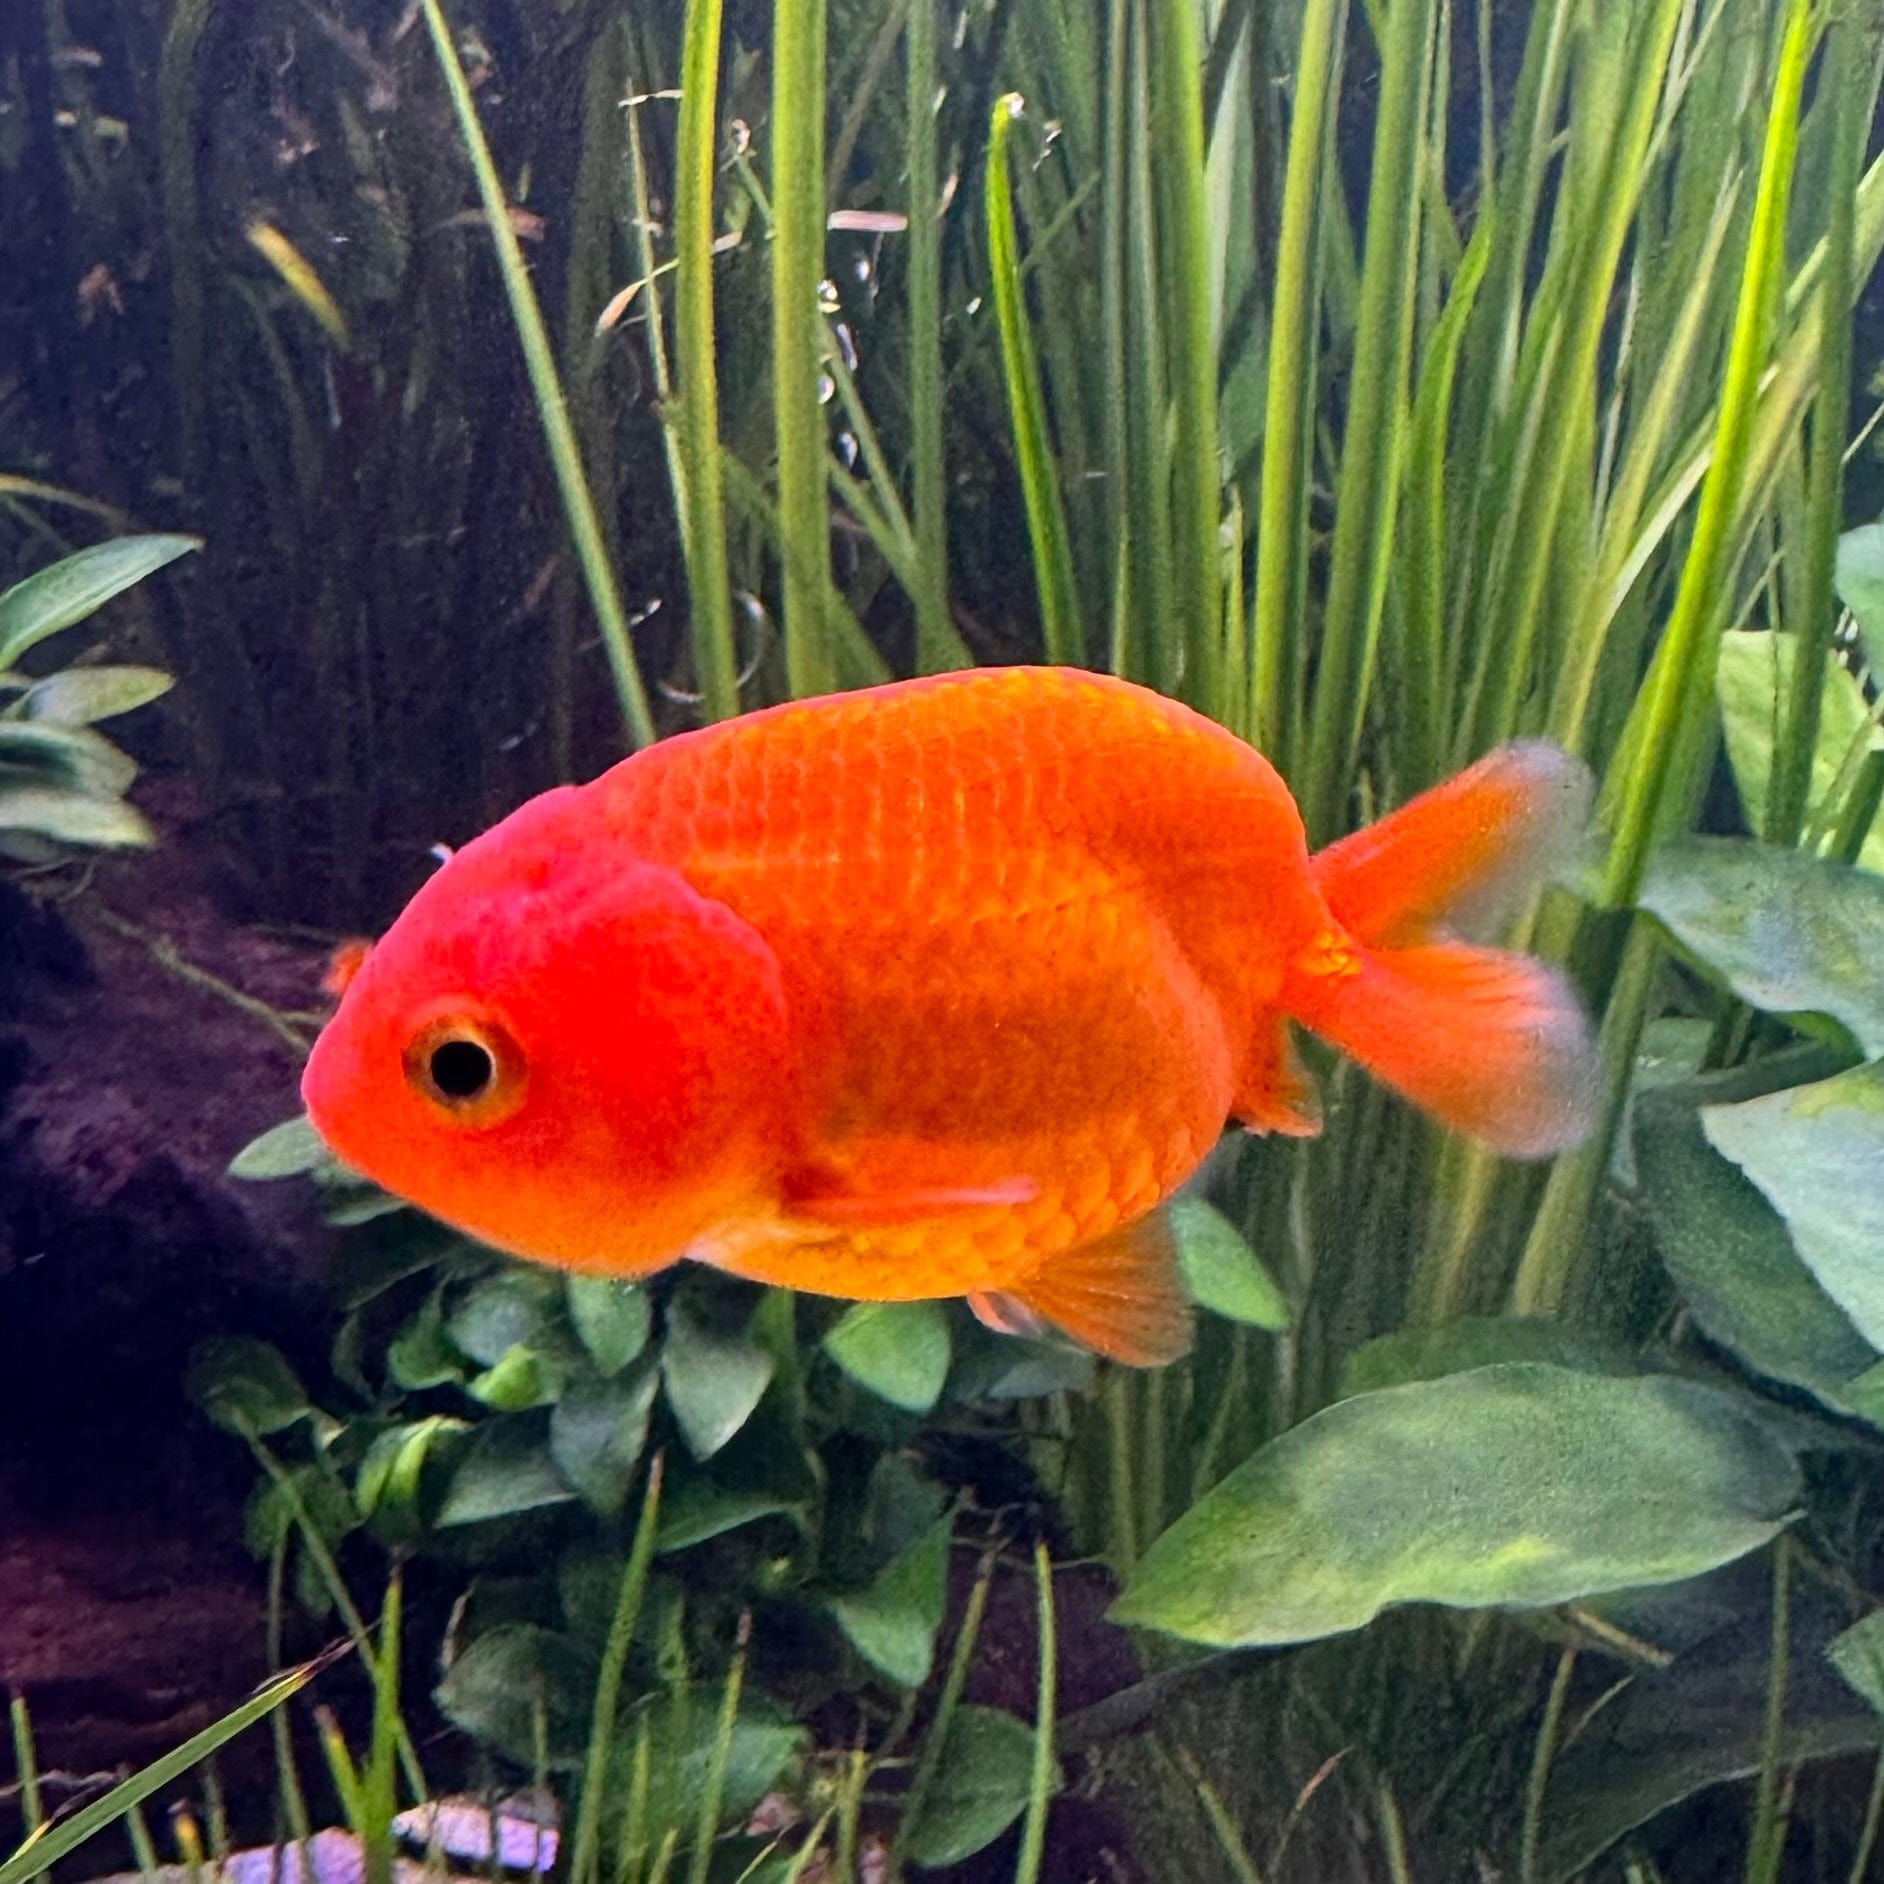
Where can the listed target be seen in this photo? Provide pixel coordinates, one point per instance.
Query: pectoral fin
(887, 1209)
(1121, 1296)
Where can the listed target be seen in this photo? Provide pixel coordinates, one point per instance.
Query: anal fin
(1278, 1093)
(1120, 1295)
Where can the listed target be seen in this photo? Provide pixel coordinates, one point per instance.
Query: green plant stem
(26, 1766)
(1197, 507)
(1041, 1783)
(937, 645)
(1279, 611)
(1769, 1825)
(713, 1794)
(1046, 515)
(798, 334)
(1867, 1836)
(559, 434)
(1680, 683)
(1545, 1751)
(1847, 75)
(585, 1860)
(1373, 440)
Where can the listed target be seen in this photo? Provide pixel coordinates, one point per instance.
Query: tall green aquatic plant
(559, 435)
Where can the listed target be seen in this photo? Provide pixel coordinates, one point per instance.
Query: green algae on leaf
(1788, 933)
(1815, 1153)
(1519, 1485)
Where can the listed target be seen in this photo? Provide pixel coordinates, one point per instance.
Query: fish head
(564, 1051)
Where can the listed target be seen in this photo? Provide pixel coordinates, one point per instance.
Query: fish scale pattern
(1020, 923)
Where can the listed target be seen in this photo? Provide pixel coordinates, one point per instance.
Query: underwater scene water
(942, 938)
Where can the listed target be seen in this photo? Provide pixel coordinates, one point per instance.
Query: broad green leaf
(1477, 1341)
(981, 1787)
(714, 1379)
(611, 1319)
(1754, 679)
(1790, 934)
(1519, 1485)
(505, 1469)
(291, 1149)
(597, 1433)
(892, 1624)
(1668, 1736)
(388, 1484)
(1816, 1153)
(1858, 1655)
(899, 1350)
(37, 752)
(76, 586)
(522, 1377)
(1859, 574)
(80, 696)
(314, 1493)
(510, 1309)
(245, 1386)
(682, 1728)
(697, 1509)
(1729, 1254)
(72, 817)
(1221, 1271)
(420, 1356)
(493, 1688)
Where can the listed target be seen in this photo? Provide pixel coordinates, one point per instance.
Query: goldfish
(938, 989)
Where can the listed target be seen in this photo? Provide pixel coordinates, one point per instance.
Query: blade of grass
(938, 646)
(1280, 603)
(26, 1766)
(703, 515)
(713, 1794)
(55, 1841)
(1046, 515)
(572, 482)
(798, 334)
(585, 1859)
(1374, 435)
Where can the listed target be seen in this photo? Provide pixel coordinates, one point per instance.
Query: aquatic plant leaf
(1478, 1341)
(899, 1350)
(611, 1319)
(510, 1309)
(1220, 1269)
(1789, 933)
(1859, 575)
(522, 1377)
(696, 1509)
(892, 1624)
(67, 591)
(505, 1469)
(1729, 1253)
(80, 696)
(714, 1379)
(291, 1149)
(71, 758)
(597, 1433)
(1518, 1485)
(73, 817)
(1815, 1153)
(1858, 1655)
(1672, 1734)
(980, 1788)
(389, 1485)
(682, 1727)
(491, 1691)
(420, 1355)
(245, 1386)
(1754, 680)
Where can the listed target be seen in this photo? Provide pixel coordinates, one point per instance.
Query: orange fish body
(934, 989)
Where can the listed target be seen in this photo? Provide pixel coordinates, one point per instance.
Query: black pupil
(461, 1069)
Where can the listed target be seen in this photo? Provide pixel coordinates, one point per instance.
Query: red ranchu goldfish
(937, 989)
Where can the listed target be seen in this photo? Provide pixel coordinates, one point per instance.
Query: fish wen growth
(938, 989)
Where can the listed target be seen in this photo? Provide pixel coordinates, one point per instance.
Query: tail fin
(1493, 1044)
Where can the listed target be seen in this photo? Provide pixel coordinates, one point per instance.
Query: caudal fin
(1494, 1044)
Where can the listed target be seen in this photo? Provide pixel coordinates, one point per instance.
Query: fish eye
(461, 1069)
(470, 1068)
